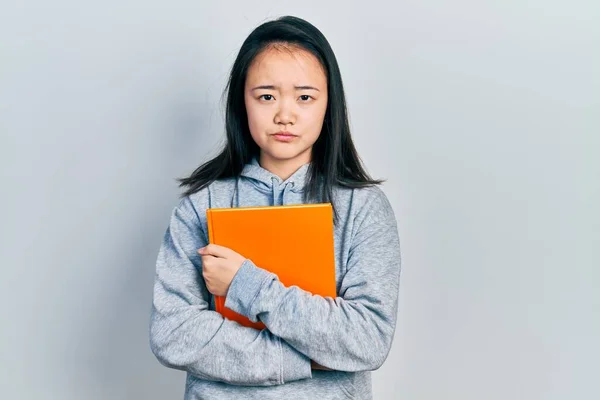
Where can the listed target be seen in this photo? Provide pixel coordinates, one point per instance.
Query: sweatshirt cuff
(294, 365)
(245, 287)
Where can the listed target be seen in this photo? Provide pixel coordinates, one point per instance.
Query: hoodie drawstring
(286, 189)
(277, 191)
(275, 187)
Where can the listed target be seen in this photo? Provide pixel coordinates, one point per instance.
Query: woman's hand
(219, 266)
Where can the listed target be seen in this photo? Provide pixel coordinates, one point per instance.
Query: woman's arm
(352, 332)
(186, 335)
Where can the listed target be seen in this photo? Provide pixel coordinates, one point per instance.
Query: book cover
(295, 242)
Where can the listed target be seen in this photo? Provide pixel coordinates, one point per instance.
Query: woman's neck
(283, 168)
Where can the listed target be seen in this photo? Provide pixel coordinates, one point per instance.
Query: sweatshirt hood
(268, 182)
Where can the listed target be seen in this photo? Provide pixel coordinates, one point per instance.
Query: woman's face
(286, 99)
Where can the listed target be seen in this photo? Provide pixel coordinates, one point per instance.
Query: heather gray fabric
(351, 334)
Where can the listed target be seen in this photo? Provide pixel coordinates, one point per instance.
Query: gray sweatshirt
(350, 334)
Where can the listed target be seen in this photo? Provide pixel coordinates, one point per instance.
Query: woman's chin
(282, 155)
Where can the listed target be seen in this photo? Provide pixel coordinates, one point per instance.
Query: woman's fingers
(216, 251)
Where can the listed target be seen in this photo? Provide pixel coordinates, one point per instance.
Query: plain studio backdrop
(484, 117)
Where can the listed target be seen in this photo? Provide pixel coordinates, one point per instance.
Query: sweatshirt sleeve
(352, 332)
(185, 334)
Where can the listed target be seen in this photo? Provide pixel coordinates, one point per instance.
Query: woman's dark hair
(335, 160)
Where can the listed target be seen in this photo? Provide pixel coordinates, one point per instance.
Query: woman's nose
(285, 114)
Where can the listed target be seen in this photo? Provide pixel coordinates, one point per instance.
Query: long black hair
(335, 160)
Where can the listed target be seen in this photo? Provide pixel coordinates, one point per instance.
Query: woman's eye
(267, 97)
(305, 97)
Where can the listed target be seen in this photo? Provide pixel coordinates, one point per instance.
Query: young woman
(288, 142)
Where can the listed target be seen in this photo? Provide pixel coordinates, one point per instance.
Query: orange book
(295, 242)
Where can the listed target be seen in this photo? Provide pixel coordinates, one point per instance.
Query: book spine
(211, 235)
(219, 301)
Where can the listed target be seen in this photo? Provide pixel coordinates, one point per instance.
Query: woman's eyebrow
(272, 87)
(307, 88)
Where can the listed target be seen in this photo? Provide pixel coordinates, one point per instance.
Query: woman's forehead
(286, 65)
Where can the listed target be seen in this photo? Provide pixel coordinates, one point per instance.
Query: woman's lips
(284, 136)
